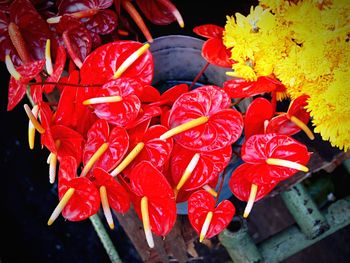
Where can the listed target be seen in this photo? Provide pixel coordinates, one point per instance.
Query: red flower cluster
(119, 142)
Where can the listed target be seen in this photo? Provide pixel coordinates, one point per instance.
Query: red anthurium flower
(103, 63)
(154, 200)
(118, 198)
(96, 16)
(149, 94)
(207, 219)
(112, 194)
(70, 111)
(45, 116)
(221, 126)
(291, 122)
(112, 145)
(24, 34)
(20, 77)
(257, 116)
(241, 88)
(79, 198)
(269, 159)
(242, 179)
(214, 50)
(154, 150)
(116, 101)
(191, 170)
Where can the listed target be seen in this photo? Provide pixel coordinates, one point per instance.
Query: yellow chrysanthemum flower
(306, 45)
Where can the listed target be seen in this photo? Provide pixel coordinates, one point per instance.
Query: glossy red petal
(149, 94)
(105, 60)
(200, 203)
(209, 31)
(70, 111)
(216, 53)
(171, 95)
(120, 113)
(104, 22)
(146, 180)
(71, 142)
(241, 88)
(209, 166)
(242, 179)
(67, 169)
(84, 202)
(78, 42)
(257, 112)
(117, 196)
(117, 139)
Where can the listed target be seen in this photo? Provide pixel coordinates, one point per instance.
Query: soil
(27, 198)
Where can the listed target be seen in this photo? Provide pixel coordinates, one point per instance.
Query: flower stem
(64, 84)
(105, 239)
(199, 75)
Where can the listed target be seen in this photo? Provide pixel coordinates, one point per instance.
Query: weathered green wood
(238, 243)
(291, 240)
(305, 212)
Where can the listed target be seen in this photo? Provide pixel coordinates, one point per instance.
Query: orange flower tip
(287, 164)
(63, 202)
(184, 127)
(188, 171)
(205, 226)
(251, 200)
(210, 190)
(11, 68)
(54, 20)
(131, 59)
(94, 158)
(33, 119)
(48, 61)
(122, 32)
(128, 159)
(146, 222)
(97, 100)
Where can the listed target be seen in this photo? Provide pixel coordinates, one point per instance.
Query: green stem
(105, 239)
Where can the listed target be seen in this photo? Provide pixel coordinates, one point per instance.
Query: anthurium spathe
(79, 198)
(116, 101)
(269, 159)
(295, 119)
(153, 200)
(207, 218)
(213, 49)
(257, 117)
(102, 64)
(115, 140)
(208, 166)
(220, 125)
(112, 194)
(20, 77)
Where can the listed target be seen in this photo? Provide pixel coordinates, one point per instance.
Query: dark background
(27, 198)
